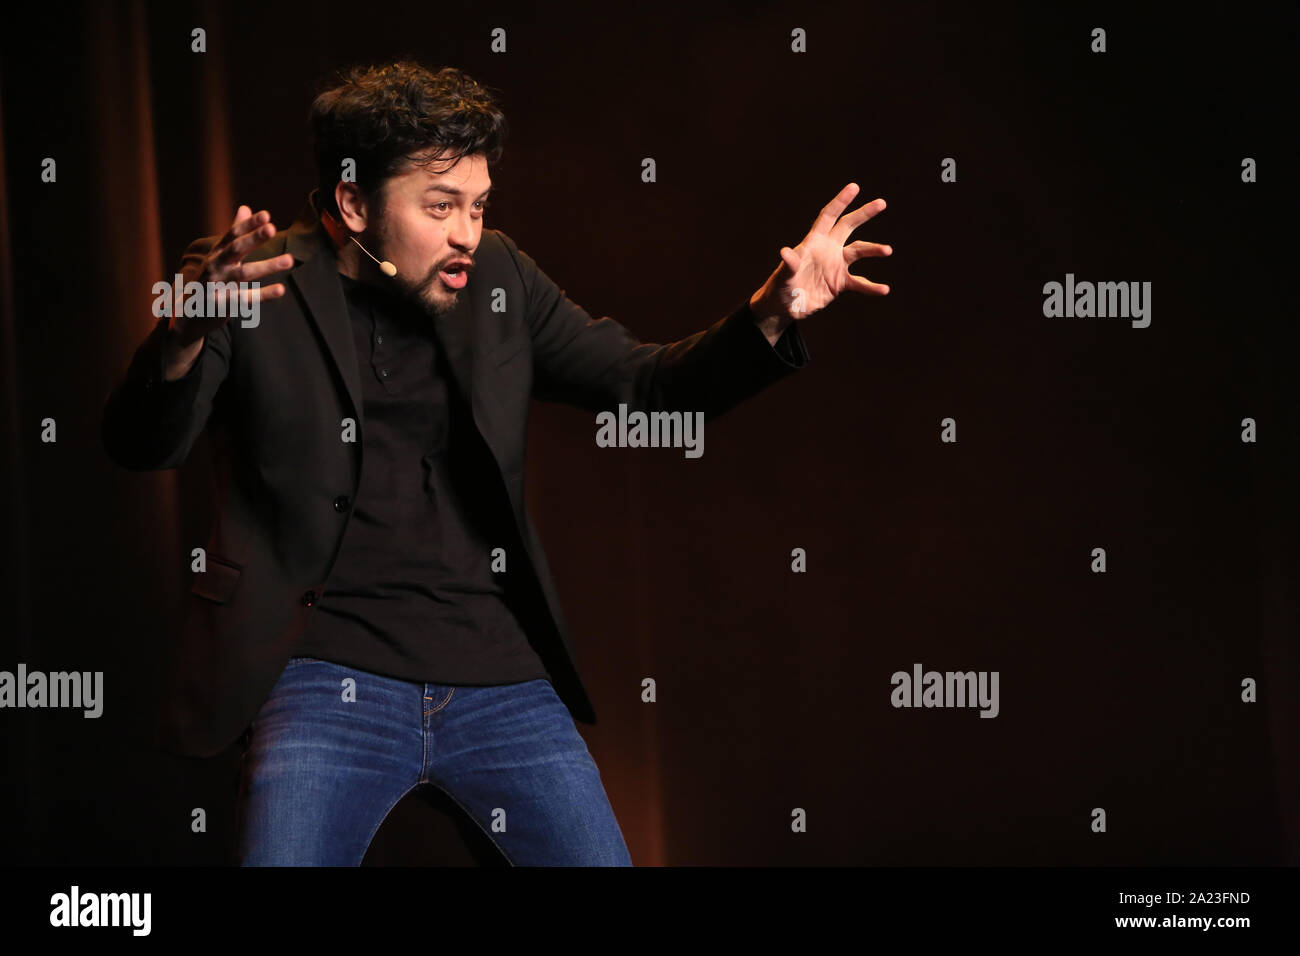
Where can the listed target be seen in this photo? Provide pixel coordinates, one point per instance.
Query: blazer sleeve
(597, 364)
(151, 424)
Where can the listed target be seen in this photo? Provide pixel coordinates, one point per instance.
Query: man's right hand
(224, 263)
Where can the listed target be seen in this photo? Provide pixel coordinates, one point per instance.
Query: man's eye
(482, 204)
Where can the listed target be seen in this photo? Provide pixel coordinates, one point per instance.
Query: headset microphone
(386, 267)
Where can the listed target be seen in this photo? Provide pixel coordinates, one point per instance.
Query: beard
(428, 294)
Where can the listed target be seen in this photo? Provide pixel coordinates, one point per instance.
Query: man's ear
(352, 206)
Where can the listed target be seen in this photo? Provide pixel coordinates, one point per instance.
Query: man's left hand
(814, 272)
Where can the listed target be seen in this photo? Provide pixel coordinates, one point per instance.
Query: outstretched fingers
(831, 211)
(862, 250)
(246, 233)
(866, 286)
(251, 271)
(261, 294)
(844, 228)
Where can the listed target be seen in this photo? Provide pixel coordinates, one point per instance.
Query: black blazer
(273, 398)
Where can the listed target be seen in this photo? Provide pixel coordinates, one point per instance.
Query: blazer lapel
(316, 276)
(455, 335)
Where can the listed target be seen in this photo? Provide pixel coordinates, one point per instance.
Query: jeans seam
(424, 746)
(444, 703)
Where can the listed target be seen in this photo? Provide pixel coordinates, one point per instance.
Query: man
(373, 611)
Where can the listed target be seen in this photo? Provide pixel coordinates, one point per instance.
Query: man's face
(431, 219)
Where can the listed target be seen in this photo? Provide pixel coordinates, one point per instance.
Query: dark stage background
(1119, 690)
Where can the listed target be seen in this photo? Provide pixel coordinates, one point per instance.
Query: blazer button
(309, 598)
(341, 503)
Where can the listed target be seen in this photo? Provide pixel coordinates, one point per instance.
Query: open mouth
(455, 275)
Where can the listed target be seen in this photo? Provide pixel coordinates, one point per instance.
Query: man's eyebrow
(453, 191)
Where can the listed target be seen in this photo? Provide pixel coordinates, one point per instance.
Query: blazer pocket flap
(218, 582)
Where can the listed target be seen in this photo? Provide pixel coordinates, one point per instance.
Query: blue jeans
(321, 770)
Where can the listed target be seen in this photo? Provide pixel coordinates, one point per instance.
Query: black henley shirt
(412, 594)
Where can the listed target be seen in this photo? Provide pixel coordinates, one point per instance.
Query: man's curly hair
(380, 116)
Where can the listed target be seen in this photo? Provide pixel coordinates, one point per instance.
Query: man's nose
(461, 235)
